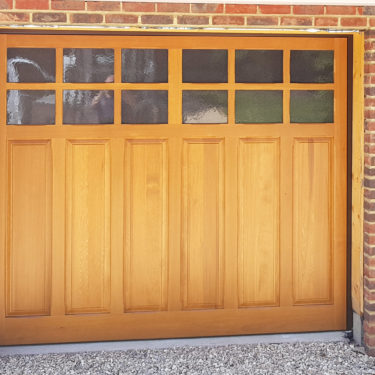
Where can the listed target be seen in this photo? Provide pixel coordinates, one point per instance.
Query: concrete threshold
(171, 343)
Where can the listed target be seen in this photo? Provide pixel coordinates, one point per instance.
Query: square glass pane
(88, 65)
(88, 107)
(145, 65)
(31, 107)
(204, 65)
(259, 66)
(144, 107)
(311, 66)
(31, 65)
(311, 106)
(259, 106)
(204, 107)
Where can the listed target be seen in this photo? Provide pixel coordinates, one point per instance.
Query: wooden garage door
(170, 186)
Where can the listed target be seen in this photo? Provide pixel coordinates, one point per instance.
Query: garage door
(171, 186)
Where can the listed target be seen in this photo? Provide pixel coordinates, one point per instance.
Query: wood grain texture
(88, 226)
(29, 228)
(146, 241)
(312, 221)
(259, 222)
(203, 223)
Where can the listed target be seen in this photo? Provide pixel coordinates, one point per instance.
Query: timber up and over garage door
(170, 186)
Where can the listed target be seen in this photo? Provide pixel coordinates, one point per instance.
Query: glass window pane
(144, 107)
(202, 65)
(205, 107)
(88, 65)
(30, 107)
(31, 65)
(311, 66)
(259, 106)
(88, 107)
(259, 66)
(311, 106)
(144, 65)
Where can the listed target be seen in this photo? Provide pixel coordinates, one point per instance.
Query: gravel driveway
(296, 358)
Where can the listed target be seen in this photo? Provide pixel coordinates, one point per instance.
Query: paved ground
(336, 358)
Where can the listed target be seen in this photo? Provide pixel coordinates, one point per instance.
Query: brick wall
(136, 15)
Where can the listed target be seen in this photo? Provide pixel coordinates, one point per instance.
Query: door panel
(170, 202)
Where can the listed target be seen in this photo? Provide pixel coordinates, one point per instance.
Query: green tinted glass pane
(311, 106)
(203, 65)
(311, 66)
(259, 106)
(205, 107)
(259, 66)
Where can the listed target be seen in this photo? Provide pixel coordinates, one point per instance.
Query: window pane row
(88, 65)
(37, 107)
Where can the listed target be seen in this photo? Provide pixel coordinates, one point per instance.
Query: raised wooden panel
(312, 220)
(146, 242)
(88, 226)
(259, 224)
(202, 223)
(29, 228)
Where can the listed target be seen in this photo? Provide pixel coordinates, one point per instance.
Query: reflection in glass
(259, 106)
(31, 65)
(259, 66)
(144, 65)
(204, 65)
(311, 106)
(30, 107)
(311, 66)
(204, 107)
(88, 107)
(88, 65)
(144, 107)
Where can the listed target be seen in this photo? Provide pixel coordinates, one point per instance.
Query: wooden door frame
(355, 126)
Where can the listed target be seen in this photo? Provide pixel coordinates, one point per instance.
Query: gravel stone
(336, 358)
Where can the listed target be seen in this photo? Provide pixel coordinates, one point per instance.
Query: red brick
(14, 17)
(193, 20)
(369, 11)
(370, 272)
(370, 240)
(369, 341)
(121, 18)
(104, 5)
(155, 19)
(138, 7)
(369, 125)
(360, 11)
(372, 22)
(370, 91)
(240, 8)
(369, 284)
(6, 4)
(354, 21)
(275, 9)
(228, 20)
(343, 10)
(326, 21)
(32, 4)
(369, 328)
(369, 217)
(296, 21)
(49, 17)
(369, 227)
(369, 294)
(370, 137)
(370, 251)
(261, 20)
(370, 148)
(207, 8)
(369, 102)
(68, 4)
(369, 316)
(369, 68)
(173, 7)
(308, 9)
(370, 114)
(370, 262)
(86, 18)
